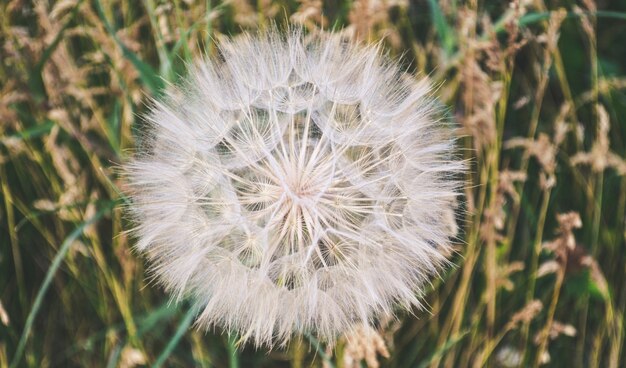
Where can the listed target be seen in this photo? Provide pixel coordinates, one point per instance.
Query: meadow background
(537, 92)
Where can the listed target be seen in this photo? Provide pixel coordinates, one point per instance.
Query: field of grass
(536, 90)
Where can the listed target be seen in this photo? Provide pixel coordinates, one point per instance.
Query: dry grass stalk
(310, 15)
(369, 20)
(364, 343)
(601, 157)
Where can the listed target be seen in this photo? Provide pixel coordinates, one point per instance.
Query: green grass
(75, 78)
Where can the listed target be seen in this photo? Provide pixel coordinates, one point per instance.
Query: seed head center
(299, 190)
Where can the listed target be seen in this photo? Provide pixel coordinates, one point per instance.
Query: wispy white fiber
(296, 184)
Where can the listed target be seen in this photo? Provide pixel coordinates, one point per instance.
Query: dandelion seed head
(295, 184)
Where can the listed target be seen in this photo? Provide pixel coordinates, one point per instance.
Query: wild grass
(535, 89)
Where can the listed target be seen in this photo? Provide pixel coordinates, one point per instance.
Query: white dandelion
(296, 185)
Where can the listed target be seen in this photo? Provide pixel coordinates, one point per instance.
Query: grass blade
(146, 73)
(532, 18)
(56, 263)
(443, 349)
(33, 132)
(180, 331)
(320, 350)
(442, 28)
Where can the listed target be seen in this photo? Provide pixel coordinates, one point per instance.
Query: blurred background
(537, 93)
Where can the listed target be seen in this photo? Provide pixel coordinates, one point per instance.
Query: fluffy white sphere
(297, 184)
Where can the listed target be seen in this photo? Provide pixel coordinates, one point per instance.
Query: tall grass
(536, 91)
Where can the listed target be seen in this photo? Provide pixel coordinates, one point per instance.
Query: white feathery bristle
(296, 185)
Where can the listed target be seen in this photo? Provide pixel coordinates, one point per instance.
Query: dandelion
(296, 185)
